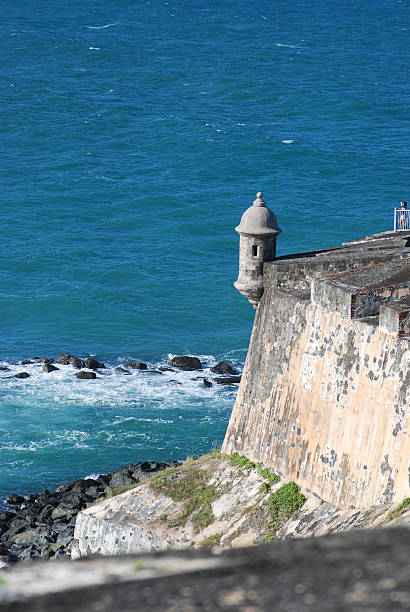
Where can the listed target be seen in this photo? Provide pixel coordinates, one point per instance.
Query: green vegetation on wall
(243, 462)
(281, 504)
(189, 485)
(399, 510)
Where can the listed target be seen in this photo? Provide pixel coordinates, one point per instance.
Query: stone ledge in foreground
(146, 520)
(359, 570)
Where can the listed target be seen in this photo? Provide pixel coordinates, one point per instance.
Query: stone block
(395, 317)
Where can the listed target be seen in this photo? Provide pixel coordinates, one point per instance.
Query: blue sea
(133, 137)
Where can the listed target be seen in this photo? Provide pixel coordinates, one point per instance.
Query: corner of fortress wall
(324, 396)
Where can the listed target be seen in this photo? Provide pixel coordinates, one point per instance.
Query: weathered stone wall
(295, 272)
(145, 519)
(324, 400)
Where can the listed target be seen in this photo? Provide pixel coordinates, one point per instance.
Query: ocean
(134, 135)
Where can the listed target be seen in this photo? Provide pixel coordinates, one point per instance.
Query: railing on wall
(401, 219)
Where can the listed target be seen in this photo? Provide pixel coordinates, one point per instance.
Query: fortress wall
(295, 272)
(324, 401)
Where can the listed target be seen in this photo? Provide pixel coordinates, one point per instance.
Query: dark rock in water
(186, 362)
(151, 466)
(67, 359)
(165, 369)
(76, 362)
(123, 371)
(228, 380)
(4, 369)
(21, 375)
(44, 360)
(48, 367)
(206, 382)
(136, 365)
(93, 364)
(14, 500)
(30, 498)
(223, 368)
(85, 375)
(26, 362)
(64, 359)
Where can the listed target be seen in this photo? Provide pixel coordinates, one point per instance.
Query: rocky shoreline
(41, 526)
(88, 368)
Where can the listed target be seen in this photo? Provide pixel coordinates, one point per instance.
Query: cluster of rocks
(91, 364)
(186, 362)
(183, 362)
(42, 525)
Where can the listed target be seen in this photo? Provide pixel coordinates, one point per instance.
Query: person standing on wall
(403, 216)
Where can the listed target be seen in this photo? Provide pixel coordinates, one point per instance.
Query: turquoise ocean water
(133, 136)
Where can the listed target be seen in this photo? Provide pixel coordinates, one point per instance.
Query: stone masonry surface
(145, 520)
(324, 397)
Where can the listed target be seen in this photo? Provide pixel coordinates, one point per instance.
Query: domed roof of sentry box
(258, 219)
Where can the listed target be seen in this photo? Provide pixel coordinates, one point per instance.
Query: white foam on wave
(92, 476)
(31, 445)
(164, 421)
(166, 389)
(103, 27)
(289, 141)
(288, 46)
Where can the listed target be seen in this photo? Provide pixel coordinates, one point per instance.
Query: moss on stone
(190, 485)
(119, 490)
(232, 536)
(211, 540)
(240, 461)
(243, 462)
(399, 510)
(268, 475)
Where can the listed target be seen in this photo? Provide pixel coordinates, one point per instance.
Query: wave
(115, 385)
(108, 25)
(288, 46)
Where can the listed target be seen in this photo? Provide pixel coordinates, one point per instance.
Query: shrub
(281, 505)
